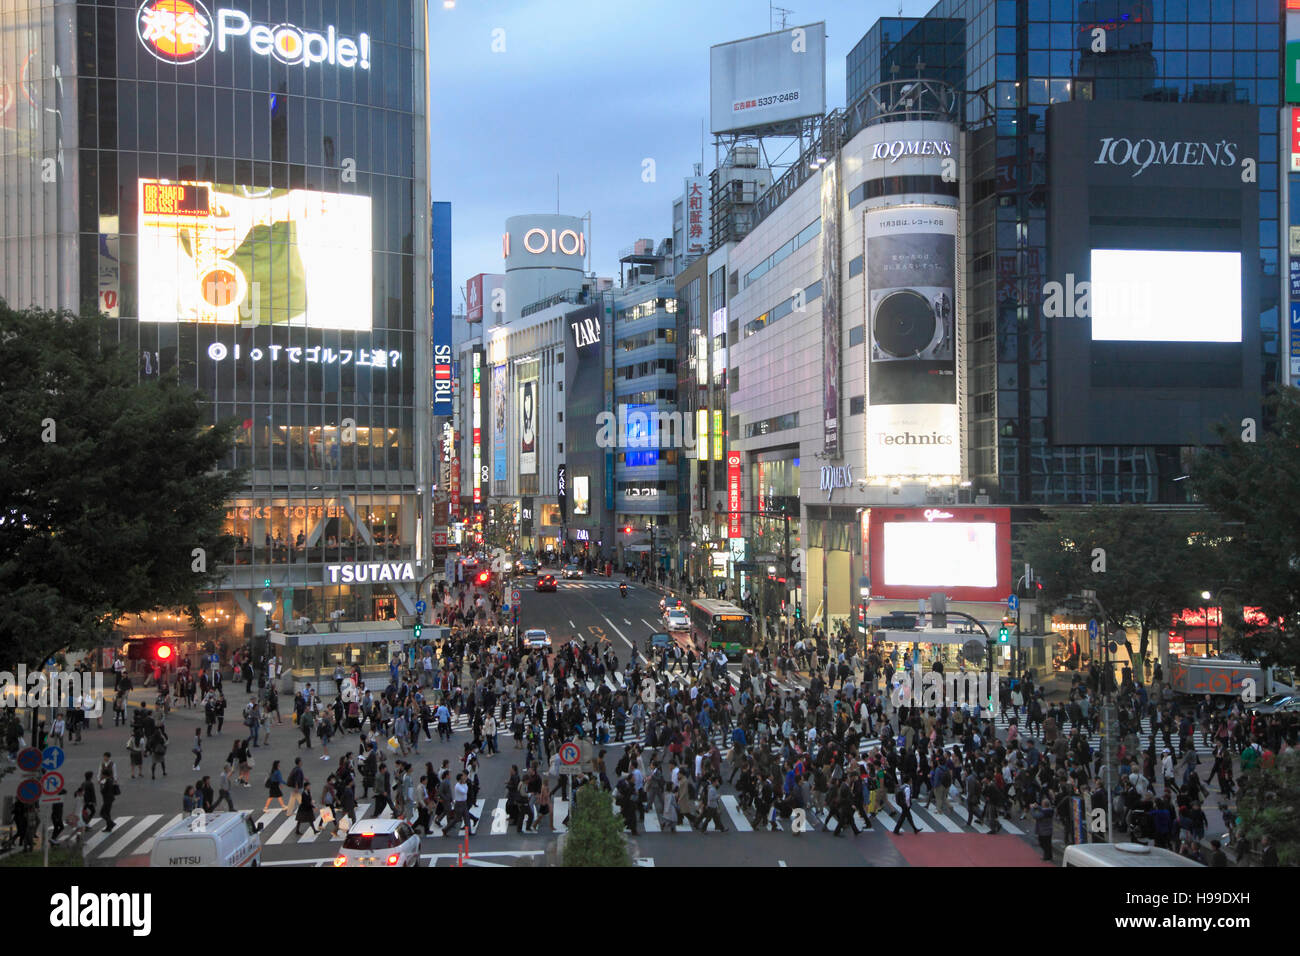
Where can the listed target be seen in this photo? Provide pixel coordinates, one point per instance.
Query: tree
(595, 837)
(111, 499)
(1269, 805)
(1145, 565)
(1252, 481)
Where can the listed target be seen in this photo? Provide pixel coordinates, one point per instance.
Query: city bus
(719, 624)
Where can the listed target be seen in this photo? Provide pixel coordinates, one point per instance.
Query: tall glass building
(1016, 60)
(242, 192)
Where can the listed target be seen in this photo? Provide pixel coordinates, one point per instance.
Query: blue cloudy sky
(588, 89)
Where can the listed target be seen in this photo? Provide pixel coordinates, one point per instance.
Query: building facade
(242, 193)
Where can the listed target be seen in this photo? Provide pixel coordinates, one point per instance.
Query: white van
(217, 839)
(1123, 854)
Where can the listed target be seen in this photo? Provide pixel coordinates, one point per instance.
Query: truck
(1226, 678)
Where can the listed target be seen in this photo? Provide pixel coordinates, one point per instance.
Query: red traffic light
(164, 652)
(627, 530)
(157, 650)
(483, 577)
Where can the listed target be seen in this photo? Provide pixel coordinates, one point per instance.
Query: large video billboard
(218, 254)
(912, 423)
(528, 427)
(1153, 299)
(962, 551)
(768, 79)
(499, 423)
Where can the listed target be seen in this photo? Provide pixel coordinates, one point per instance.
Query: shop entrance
(385, 607)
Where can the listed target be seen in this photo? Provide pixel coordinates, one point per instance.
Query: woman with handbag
(274, 781)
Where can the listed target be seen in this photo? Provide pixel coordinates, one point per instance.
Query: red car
(546, 582)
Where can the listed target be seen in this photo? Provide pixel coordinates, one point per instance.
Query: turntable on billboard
(912, 324)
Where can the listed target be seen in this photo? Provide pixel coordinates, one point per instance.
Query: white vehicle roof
(213, 824)
(1123, 854)
(366, 827)
(535, 632)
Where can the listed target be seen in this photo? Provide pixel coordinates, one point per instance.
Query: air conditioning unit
(745, 157)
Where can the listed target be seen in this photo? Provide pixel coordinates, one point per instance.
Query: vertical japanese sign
(734, 516)
(477, 434)
(697, 216)
(443, 403)
(830, 201)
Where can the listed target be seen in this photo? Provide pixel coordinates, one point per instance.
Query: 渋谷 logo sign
(183, 31)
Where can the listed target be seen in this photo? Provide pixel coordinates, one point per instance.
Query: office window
(856, 404)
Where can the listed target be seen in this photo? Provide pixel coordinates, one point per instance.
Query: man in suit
(905, 809)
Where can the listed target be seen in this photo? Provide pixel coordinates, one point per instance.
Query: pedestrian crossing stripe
(135, 835)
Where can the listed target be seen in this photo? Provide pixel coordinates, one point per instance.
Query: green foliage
(1255, 487)
(595, 835)
(1269, 805)
(103, 520)
(59, 856)
(1156, 562)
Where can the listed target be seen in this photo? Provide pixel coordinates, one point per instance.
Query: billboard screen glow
(919, 554)
(1141, 295)
(226, 255)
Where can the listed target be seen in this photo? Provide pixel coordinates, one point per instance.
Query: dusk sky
(588, 89)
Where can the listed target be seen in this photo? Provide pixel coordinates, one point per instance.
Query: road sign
(29, 791)
(1113, 647)
(570, 757)
(1013, 602)
(1092, 629)
(51, 784)
(29, 760)
(53, 758)
(420, 607)
(515, 596)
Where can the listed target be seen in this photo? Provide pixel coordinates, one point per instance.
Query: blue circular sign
(1092, 628)
(29, 791)
(420, 606)
(53, 758)
(29, 760)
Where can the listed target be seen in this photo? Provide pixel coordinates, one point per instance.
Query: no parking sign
(570, 757)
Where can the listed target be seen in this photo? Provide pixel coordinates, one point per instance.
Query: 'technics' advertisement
(912, 426)
(236, 255)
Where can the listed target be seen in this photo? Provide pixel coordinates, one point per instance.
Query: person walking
(905, 808)
(306, 811)
(158, 751)
(197, 749)
(296, 781)
(223, 787)
(1043, 827)
(274, 781)
(108, 789)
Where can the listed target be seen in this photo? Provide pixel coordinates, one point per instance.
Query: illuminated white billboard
(226, 255)
(941, 554)
(581, 495)
(1143, 295)
(767, 79)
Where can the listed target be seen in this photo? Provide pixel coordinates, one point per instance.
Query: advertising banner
(443, 403)
(581, 494)
(772, 78)
(912, 422)
(562, 492)
(498, 423)
(528, 428)
(526, 517)
(735, 526)
(965, 552)
(225, 255)
(830, 243)
(1295, 340)
(697, 216)
(477, 435)
(474, 299)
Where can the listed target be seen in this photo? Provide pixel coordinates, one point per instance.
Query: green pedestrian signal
(415, 630)
(1004, 634)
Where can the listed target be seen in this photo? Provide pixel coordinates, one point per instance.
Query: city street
(592, 610)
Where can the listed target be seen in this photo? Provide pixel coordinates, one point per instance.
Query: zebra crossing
(579, 585)
(135, 835)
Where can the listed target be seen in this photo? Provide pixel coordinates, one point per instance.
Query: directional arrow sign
(1013, 602)
(420, 607)
(52, 758)
(1092, 629)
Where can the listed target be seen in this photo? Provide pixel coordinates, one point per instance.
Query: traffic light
(484, 577)
(628, 530)
(1004, 632)
(156, 650)
(798, 612)
(415, 630)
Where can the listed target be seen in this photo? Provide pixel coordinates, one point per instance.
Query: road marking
(94, 840)
(650, 624)
(282, 832)
(651, 821)
(781, 863)
(627, 622)
(131, 835)
(738, 818)
(559, 810)
(619, 633)
(945, 821)
(572, 625)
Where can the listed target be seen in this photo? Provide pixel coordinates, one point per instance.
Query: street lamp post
(1205, 611)
(267, 603)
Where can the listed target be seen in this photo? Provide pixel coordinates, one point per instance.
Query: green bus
(719, 624)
